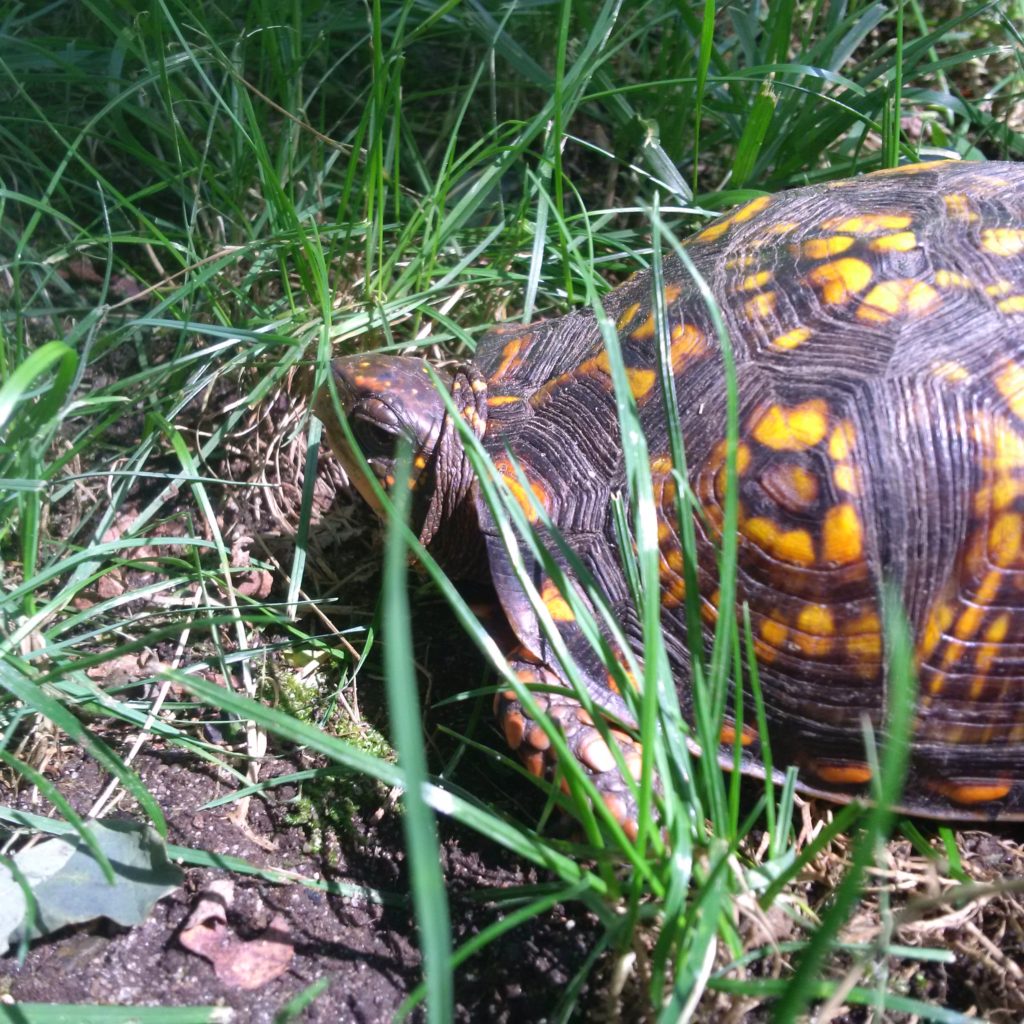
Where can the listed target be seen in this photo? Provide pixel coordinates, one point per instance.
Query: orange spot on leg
(556, 605)
(514, 727)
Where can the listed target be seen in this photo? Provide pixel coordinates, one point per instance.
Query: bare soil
(367, 951)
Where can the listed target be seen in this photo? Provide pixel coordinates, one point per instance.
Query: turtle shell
(877, 327)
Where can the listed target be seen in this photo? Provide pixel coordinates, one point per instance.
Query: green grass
(198, 200)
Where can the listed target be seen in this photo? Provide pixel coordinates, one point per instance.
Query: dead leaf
(256, 584)
(237, 963)
(110, 585)
(82, 270)
(119, 671)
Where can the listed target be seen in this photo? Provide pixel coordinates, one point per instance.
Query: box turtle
(878, 332)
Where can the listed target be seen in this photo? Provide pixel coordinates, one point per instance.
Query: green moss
(330, 811)
(330, 808)
(303, 696)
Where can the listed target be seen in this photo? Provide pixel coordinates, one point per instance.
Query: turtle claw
(586, 743)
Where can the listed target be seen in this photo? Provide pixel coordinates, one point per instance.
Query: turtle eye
(376, 434)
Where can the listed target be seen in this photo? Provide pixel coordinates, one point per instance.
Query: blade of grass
(425, 875)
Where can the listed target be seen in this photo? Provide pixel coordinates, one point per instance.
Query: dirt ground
(368, 952)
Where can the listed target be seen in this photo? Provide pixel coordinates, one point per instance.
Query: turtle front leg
(587, 745)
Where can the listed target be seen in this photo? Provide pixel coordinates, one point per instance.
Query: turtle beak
(385, 399)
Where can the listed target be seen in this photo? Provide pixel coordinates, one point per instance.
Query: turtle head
(389, 398)
(385, 399)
